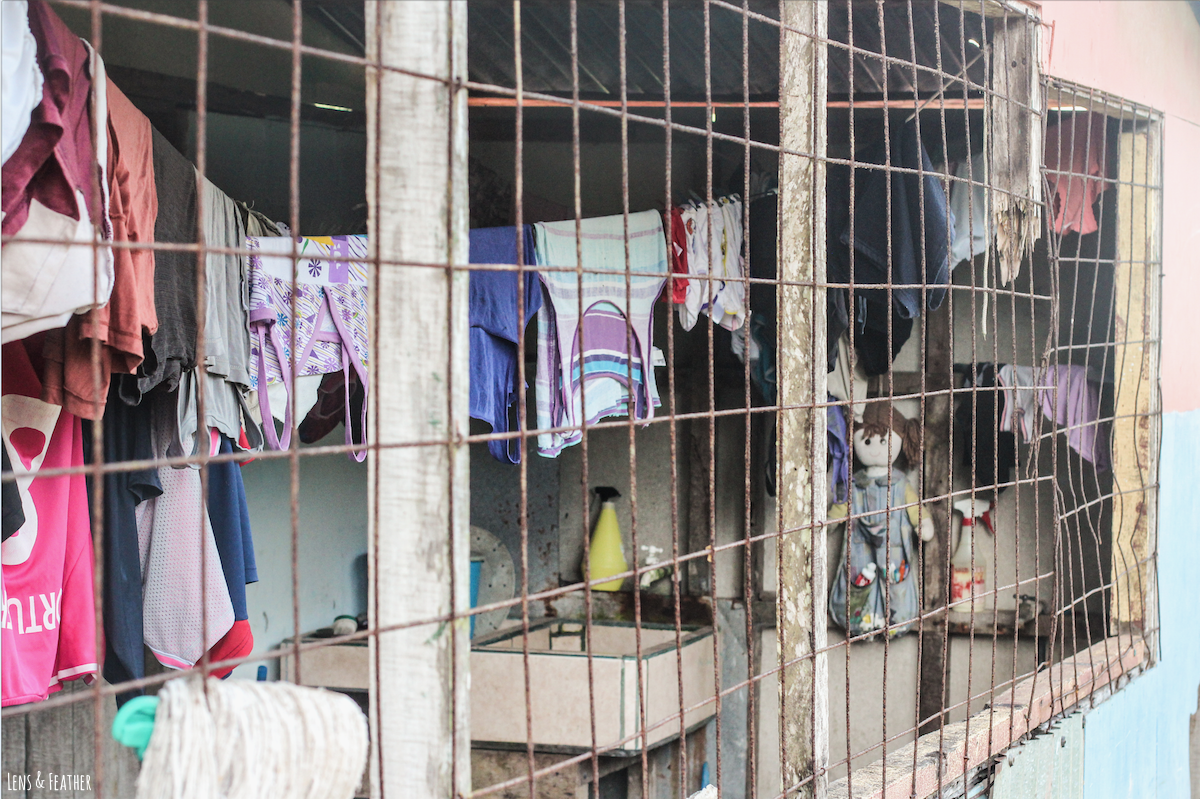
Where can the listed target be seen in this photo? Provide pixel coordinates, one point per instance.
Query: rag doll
(875, 584)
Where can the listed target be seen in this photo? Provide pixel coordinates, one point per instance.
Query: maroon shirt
(57, 154)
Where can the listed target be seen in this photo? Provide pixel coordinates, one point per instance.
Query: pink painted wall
(1148, 51)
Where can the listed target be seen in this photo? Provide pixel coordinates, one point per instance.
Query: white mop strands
(243, 740)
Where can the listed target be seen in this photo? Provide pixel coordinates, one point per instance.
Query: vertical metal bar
(202, 305)
(1015, 355)
(992, 295)
(419, 508)
(96, 500)
(976, 422)
(672, 409)
(801, 607)
(710, 386)
(647, 368)
(936, 463)
(523, 499)
(293, 299)
(844, 563)
(584, 453)
(750, 586)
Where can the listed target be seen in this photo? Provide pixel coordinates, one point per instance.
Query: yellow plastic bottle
(607, 556)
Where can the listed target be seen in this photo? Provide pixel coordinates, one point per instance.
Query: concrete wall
(331, 546)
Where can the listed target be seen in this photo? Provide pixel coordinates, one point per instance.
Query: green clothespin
(134, 723)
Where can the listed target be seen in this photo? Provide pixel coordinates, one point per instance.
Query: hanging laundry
(1075, 171)
(183, 614)
(22, 88)
(837, 434)
(306, 391)
(678, 249)
(762, 231)
(225, 408)
(969, 209)
(715, 264)
(1021, 411)
(597, 365)
(127, 437)
(55, 158)
(876, 347)
(987, 453)
(168, 528)
(496, 328)
(1072, 402)
(48, 191)
(225, 373)
(907, 249)
(848, 377)
(229, 515)
(48, 633)
(328, 408)
(227, 329)
(1066, 397)
(173, 345)
(130, 313)
(258, 225)
(330, 321)
(970, 234)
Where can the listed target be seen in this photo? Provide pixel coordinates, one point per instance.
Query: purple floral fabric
(323, 275)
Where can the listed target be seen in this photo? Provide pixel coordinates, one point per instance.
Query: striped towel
(610, 376)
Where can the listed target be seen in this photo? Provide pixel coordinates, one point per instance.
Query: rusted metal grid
(1099, 586)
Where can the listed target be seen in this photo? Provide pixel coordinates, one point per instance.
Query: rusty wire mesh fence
(760, 394)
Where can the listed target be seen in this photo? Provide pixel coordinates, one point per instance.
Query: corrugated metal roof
(546, 53)
(546, 46)
(936, 33)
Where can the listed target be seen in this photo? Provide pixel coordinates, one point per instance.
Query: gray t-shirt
(227, 332)
(172, 348)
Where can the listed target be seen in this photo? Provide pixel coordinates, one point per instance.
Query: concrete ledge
(971, 743)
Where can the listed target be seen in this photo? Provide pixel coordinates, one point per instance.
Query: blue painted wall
(1136, 743)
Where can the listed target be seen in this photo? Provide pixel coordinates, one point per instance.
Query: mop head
(240, 740)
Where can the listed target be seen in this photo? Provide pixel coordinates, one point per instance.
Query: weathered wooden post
(417, 193)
